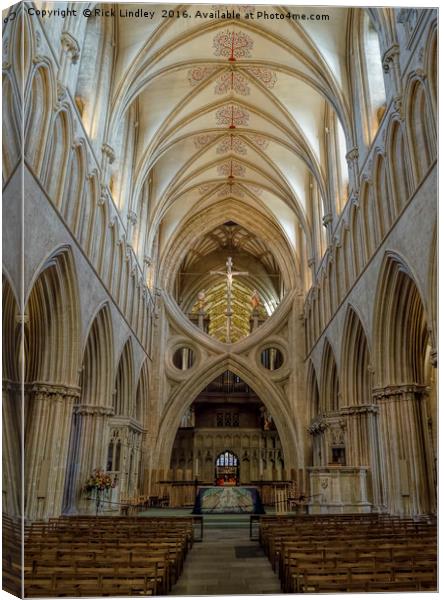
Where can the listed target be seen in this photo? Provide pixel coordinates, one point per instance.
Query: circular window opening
(272, 359)
(183, 358)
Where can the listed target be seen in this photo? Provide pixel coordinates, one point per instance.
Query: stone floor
(212, 568)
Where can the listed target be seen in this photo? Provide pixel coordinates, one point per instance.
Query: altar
(227, 500)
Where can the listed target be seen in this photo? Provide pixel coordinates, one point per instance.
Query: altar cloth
(228, 500)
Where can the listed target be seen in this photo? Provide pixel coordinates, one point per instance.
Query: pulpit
(338, 489)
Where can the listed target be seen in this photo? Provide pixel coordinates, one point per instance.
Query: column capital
(390, 55)
(70, 46)
(92, 409)
(56, 390)
(359, 409)
(389, 391)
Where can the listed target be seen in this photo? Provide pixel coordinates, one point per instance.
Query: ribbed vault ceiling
(233, 110)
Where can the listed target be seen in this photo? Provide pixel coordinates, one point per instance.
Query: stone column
(352, 157)
(49, 418)
(108, 157)
(327, 220)
(363, 444)
(70, 55)
(89, 444)
(316, 430)
(12, 430)
(407, 486)
(391, 65)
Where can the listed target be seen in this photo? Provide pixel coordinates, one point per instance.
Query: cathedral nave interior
(229, 243)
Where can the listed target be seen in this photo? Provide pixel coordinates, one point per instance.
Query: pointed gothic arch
(401, 345)
(329, 380)
(400, 335)
(420, 128)
(91, 410)
(54, 318)
(399, 161)
(39, 101)
(124, 399)
(57, 153)
(185, 393)
(51, 380)
(355, 362)
(11, 400)
(313, 391)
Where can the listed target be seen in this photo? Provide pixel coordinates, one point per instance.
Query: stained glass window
(227, 459)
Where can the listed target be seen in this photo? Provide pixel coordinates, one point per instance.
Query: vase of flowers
(98, 483)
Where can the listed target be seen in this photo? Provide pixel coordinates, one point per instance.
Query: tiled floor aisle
(212, 567)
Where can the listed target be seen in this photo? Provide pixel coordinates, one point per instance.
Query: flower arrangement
(99, 481)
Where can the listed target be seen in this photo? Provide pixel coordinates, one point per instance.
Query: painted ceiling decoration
(232, 143)
(232, 115)
(233, 45)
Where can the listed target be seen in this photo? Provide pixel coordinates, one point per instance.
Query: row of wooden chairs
(351, 553)
(130, 505)
(105, 556)
(11, 555)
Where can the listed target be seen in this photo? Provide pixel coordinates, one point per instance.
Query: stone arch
(399, 164)
(339, 276)
(51, 381)
(99, 237)
(347, 257)
(433, 289)
(400, 335)
(331, 289)
(313, 390)
(142, 405)
(11, 332)
(11, 400)
(329, 380)
(86, 220)
(94, 74)
(38, 102)
(52, 336)
(355, 362)
(402, 350)
(431, 65)
(326, 306)
(11, 136)
(98, 361)
(357, 251)
(183, 396)
(74, 187)
(384, 212)
(118, 271)
(57, 156)
(91, 410)
(369, 72)
(420, 129)
(124, 399)
(215, 215)
(367, 204)
(112, 238)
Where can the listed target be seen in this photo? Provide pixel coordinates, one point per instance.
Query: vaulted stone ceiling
(234, 112)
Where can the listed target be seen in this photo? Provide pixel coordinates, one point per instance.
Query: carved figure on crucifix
(255, 300)
(201, 301)
(229, 274)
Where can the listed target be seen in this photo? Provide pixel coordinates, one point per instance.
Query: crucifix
(229, 274)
